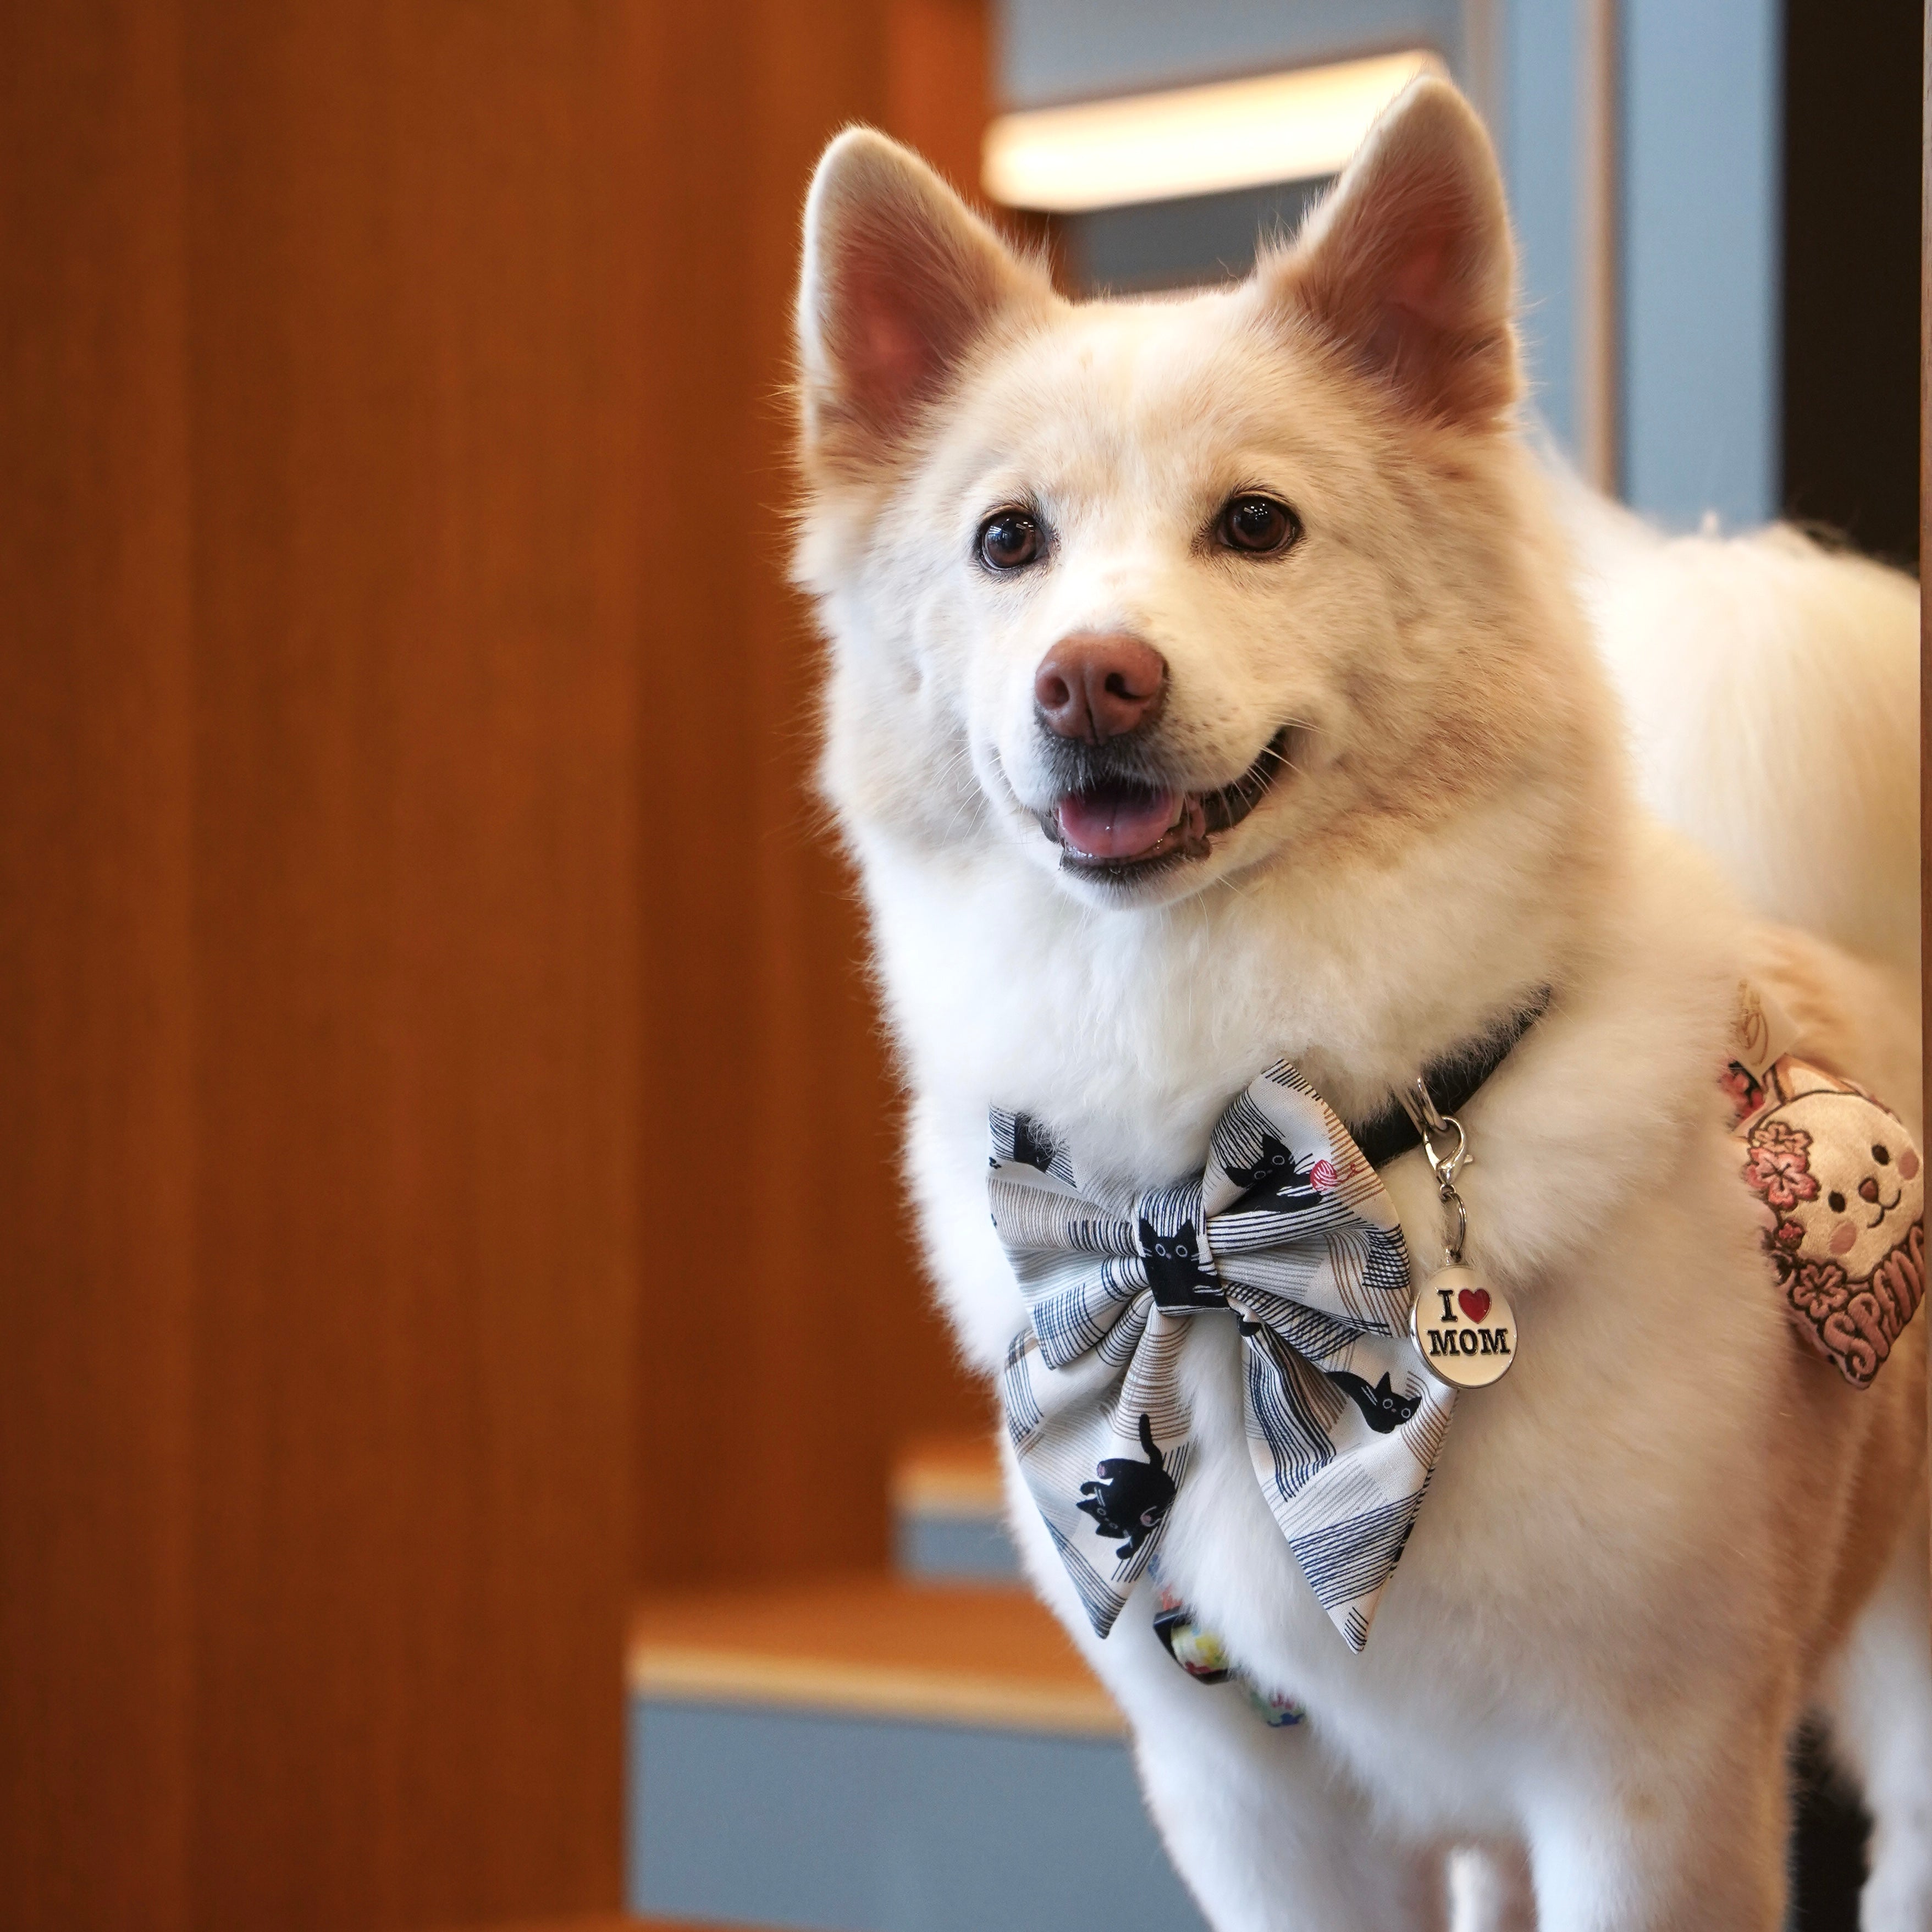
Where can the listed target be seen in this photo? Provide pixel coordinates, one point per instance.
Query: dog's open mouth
(1123, 829)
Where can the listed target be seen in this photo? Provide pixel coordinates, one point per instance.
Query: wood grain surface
(948, 1476)
(446, 1163)
(598, 1922)
(875, 1646)
(787, 1343)
(98, 1166)
(1925, 551)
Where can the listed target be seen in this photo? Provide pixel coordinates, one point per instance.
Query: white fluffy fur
(1658, 1542)
(1771, 688)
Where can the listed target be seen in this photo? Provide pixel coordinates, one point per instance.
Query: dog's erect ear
(901, 279)
(1408, 265)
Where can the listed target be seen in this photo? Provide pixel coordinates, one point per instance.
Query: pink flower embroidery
(1818, 1289)
(1789, 1234)
(1780, 1167)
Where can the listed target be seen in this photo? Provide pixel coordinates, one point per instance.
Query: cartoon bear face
(1841, 1176)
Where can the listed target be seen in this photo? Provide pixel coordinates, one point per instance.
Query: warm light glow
(1194, 140)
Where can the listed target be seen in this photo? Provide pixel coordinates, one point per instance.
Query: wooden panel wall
(445, 1161)
(1924, 551)
(413, 381)
(788, 1342)
(96, 1113)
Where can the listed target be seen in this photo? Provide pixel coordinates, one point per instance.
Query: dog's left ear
(900, 280)
(1407, 267)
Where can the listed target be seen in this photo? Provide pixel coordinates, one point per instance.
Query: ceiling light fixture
(1192, 140)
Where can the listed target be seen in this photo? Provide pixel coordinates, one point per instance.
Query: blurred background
(472, 1442)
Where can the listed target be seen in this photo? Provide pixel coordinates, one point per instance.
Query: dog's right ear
(900, 280)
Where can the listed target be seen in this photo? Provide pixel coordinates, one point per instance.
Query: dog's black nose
(1094, 687)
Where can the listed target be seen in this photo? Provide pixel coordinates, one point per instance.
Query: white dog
(1214, 680)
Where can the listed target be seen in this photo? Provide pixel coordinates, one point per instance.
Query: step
(948, 1512)
(873, 1754)
(596, 1922)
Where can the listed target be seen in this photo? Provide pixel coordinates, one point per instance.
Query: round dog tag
(1466, 1332)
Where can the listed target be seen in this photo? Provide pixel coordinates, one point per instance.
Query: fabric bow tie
(1289, 1229)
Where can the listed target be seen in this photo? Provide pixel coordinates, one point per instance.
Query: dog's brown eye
(1008, 539)
(1835, 1202)
(1883, 1156)
(1257, 524)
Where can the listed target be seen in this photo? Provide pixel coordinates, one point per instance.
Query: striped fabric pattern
(1289, 1233)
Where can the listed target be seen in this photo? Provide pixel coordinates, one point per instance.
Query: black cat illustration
(1031, 1146)
(1274, 1171)
(1382, 1409)
(1131, 1499)
(1175, 1271)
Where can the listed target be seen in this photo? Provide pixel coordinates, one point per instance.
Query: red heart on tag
(1475, 1302)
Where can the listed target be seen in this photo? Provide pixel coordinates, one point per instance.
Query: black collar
(1452, 1080)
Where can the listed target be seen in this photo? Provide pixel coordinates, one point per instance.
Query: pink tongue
(1103, 826)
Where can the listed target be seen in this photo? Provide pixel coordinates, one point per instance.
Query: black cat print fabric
(1289, 1233)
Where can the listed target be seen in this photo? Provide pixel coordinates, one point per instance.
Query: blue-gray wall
(795, 1818)
(1537, 92)
(1702, 189)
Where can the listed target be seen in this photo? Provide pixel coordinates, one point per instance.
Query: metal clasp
(1435, 1127)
